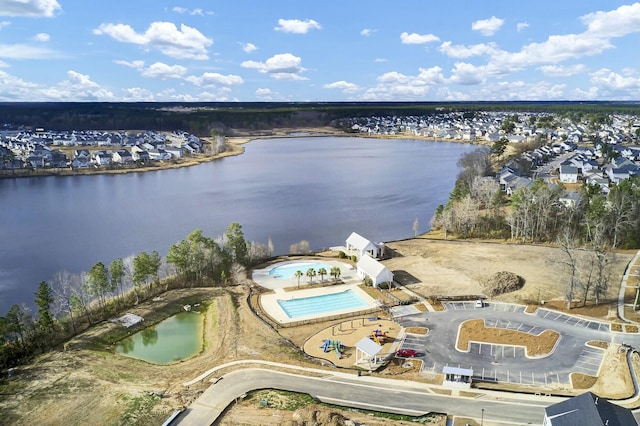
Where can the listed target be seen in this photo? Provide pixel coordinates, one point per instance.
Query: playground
(337, 343)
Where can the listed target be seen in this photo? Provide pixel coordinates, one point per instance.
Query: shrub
(501, 282)
(341, 255)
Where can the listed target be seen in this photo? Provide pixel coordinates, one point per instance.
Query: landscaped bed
(535, 345)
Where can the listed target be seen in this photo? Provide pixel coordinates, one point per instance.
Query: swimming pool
(314, 305)
(286, 271)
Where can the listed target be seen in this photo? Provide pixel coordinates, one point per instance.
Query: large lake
(290, 189)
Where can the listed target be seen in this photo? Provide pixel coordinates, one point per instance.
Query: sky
(318, 51)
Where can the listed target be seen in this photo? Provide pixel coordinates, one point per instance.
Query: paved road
(362, 392)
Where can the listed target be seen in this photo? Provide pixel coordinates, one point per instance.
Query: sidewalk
(632, 269)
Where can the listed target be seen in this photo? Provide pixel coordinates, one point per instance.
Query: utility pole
(482, 418)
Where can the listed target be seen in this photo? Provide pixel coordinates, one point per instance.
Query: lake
(288, 189)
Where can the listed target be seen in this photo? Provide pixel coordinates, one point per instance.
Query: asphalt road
(360, 392)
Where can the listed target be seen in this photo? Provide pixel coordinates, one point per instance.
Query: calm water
(175, 339)
(314, 189)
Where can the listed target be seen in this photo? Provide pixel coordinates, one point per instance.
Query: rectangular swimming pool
(314, 305)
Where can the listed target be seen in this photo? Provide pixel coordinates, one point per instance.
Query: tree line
(200, 118)
(71, 303)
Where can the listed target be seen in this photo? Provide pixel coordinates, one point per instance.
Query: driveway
(506, 363)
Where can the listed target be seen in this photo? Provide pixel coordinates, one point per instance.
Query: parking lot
(507, 363)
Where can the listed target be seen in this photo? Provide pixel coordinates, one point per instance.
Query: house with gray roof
(587, 409)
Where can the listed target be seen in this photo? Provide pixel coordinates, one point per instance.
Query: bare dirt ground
(88, 383)
(440, 267)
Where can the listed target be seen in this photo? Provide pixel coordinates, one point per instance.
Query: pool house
(369, 267)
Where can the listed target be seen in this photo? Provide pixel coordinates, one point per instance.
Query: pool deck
(261, 276)
(270, 304)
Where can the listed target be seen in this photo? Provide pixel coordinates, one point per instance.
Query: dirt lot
(88, 383)
(438, 267)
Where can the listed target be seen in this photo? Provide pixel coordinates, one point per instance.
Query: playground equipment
(332, 345)
(378, 336)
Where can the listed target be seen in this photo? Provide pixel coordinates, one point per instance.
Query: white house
(568, 174)
(369, 267)
(357, 242)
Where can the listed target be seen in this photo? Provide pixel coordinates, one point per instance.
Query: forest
(226, 118)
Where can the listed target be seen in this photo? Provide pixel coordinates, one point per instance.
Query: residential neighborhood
(42, 149)
(597, 153)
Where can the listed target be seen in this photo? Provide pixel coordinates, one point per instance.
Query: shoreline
(236, 143)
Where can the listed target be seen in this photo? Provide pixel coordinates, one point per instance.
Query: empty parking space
(496, 352)
(520, 377)
(589, 361)
(463, 305)
(414, 341)
(571, 320)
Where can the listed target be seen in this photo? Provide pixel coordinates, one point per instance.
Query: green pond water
(175, 339)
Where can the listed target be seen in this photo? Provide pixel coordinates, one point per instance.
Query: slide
(375, 338)
(337, 347)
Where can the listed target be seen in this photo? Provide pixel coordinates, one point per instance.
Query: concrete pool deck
(264, 279)
(269, 302)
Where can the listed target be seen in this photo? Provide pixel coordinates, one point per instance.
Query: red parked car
(407, 353)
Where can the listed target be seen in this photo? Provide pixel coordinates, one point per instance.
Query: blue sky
(330, 50)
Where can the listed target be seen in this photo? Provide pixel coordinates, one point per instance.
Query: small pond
(175, 339)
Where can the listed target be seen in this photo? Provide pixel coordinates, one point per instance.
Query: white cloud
(30, 8)
(249, 47)
(367, 32)
(394, 85)
(25, 51)
(521, 26)
(77, 87)
(138, 94)
(42, 37)
(345, 86)
(459, 51)
(562, 70)
(297, 26)
(4, 24)
(615, 23)
(185, 11)
(184, 43)
(379, 60)
(209, 79)
(614, 84)
(414, 38)
(280, 66)
(487, 27)
(161, 70)
(130, 64)
(465, 73)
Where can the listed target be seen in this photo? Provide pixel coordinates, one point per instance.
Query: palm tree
(311, 273)
(298, 274)
(322, 272)
(335, 273)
